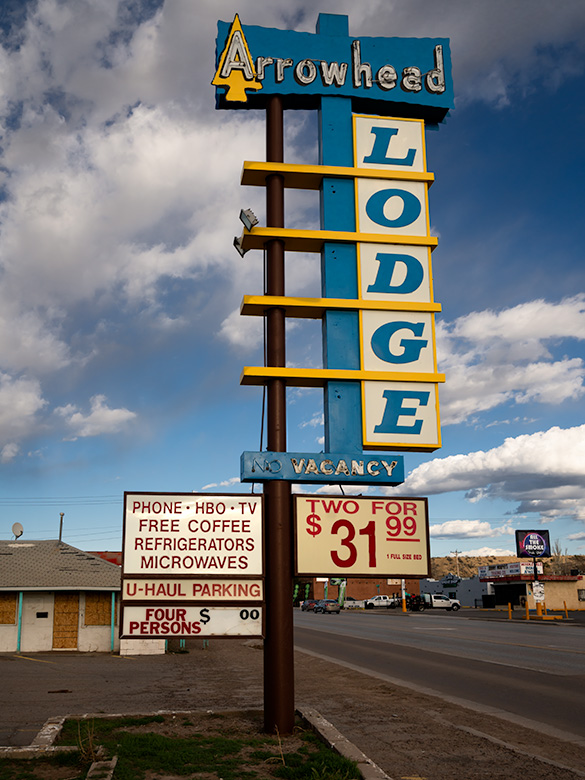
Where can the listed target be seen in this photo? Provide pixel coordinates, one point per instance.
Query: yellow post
(544, 607)
(566, 610)
(527, 610)
(509, 610)
(538, 609)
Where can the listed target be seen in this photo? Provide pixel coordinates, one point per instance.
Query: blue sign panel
(253, 63)
(323, 467)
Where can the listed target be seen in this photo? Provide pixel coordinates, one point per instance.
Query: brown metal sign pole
(279, 706)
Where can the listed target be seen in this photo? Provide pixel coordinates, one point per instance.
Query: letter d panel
(401, 415)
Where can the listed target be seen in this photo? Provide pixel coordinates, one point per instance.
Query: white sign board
(538, 592)
(192, 534)
(163, 588)
(166, 621)
(358, 536)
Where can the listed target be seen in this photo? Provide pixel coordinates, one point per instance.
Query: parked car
(327, 605)
(308, 605)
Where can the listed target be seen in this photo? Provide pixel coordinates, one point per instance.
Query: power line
(50, 501)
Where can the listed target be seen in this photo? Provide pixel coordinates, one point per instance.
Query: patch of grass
(232, 755)
(99, 728)
(316, 761)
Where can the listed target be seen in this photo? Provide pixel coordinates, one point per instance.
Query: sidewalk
(576, 617)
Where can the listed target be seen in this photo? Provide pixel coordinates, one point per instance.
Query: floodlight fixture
(238, 245)
(248, 218)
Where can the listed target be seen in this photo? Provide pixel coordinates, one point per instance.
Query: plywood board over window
(66, 621)
(98, 608)
(8, 608)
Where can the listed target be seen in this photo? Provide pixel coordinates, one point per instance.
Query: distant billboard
(532, 544)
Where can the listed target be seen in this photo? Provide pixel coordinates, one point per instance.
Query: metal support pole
(19, 630)
(538, 603)
(279, 708)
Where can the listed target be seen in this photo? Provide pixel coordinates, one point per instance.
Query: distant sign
(495, 571)
(532, 544)
(538, 592)
(342, 536)
(192, 534)
(167, 621)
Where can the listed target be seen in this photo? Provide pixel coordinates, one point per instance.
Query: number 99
(395, 526)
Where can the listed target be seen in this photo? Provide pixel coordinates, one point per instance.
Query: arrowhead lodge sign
(379, 375)
(256, 62)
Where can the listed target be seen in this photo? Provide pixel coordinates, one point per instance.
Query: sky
(121, 343)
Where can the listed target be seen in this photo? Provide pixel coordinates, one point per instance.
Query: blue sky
(120, 343)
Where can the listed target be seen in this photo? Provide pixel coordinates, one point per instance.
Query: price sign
(361, 536)
(166, 621)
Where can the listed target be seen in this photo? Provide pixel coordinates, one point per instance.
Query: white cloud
(21, 401)
(9, 452)
(462, 529)
(544, 472)
(101, 419)
(577, 536)
(487, 552)
(225, 483)
(243, 332)
(493, 358)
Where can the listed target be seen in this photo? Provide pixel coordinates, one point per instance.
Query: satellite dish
(17, 530)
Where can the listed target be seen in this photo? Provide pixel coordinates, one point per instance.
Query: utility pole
(61, 514)
(456, 553)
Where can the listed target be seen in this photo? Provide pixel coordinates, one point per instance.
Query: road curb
(330, 735)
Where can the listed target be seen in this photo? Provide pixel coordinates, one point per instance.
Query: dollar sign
(204, 615)
(313, 521)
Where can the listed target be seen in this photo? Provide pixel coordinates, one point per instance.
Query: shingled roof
(54, 565)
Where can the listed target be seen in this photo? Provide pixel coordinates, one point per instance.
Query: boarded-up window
(8, 608)
(98, 609)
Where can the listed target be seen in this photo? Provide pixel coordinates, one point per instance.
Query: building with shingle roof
(56, 597)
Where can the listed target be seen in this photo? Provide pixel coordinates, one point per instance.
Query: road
(531, 671)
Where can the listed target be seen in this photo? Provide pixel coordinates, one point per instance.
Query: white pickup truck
(440, 601)
(390, 602)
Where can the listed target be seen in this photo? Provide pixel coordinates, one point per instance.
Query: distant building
(362, 587)
(470, 591)
(56, 597)
(512, 584)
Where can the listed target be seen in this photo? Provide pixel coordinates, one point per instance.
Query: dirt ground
(408, 734)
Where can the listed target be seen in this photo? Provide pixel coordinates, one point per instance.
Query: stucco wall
(142, 646)
(37, 631)
(557, 593)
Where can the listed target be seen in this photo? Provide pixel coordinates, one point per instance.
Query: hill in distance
(466, 566)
